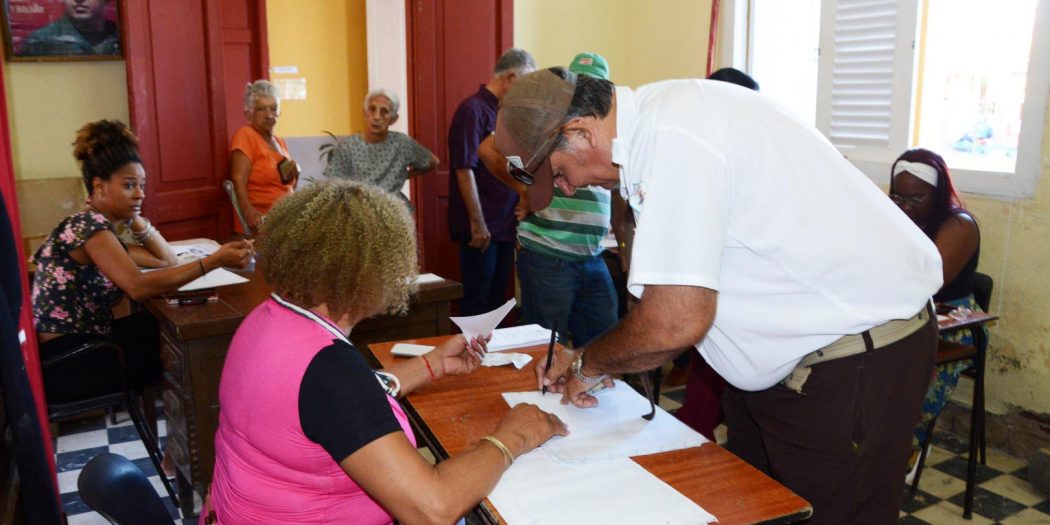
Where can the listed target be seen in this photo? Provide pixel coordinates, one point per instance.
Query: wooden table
(449, 417)
(194, 341)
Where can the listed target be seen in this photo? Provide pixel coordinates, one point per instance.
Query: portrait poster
(54, 30)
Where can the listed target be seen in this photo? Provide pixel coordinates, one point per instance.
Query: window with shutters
(964, 78)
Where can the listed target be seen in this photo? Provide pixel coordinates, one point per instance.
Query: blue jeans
(578, 294)
(485, 275)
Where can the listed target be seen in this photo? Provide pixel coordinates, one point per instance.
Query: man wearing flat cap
(758, 243)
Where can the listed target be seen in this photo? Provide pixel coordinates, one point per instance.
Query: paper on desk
(612, 430)
(425, 278)
(506, 358)
(482, 324)
(213, 279)
(539, 490)
(410, 350)
(518, 336)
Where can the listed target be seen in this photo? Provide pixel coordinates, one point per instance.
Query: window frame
(734, 50)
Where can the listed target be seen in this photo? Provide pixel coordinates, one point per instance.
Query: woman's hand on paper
(526, 427)
(458, 357)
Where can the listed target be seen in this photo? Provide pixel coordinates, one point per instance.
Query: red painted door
(453, 46)
(187, 63)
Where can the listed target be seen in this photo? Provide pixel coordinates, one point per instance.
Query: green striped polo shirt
(571, 227)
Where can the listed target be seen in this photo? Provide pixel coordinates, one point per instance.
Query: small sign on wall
(291, 88)
(285, 70)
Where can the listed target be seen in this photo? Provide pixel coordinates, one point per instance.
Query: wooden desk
(194, 341)
(451, 415)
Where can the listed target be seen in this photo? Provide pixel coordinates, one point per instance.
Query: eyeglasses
(525, 174)
(913, 200)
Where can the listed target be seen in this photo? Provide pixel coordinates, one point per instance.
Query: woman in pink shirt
(308, 433)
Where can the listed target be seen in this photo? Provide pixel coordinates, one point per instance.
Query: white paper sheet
(482, 324)
(612, 430)
(410, 350)
(518, 337)
(425, 278)
(537, 490)
(213, 279)
(506, 358)
(189, 250)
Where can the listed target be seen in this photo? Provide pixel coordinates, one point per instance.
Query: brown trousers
(843, 443)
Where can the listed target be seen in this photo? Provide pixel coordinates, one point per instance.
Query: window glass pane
(973, 74)
(784, 39)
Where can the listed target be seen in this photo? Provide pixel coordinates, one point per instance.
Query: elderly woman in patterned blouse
(379, 156)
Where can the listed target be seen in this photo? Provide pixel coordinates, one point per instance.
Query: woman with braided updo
(83, 269)
(308, 432)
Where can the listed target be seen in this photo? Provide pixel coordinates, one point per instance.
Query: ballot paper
(410, 350)
(537, 490)
(506, 358)
(518, 337)
(612, 430)
(482, 324)
(192, 249)
(213, 279)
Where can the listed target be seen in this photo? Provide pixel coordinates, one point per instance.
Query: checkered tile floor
(1003, 493)
(80, 440)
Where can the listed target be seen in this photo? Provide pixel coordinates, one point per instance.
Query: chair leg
(112, 416)
(149, 408)
(976, 432)
(150, 441)
(923, 447)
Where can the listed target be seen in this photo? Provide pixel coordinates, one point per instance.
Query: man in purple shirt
(481, 208)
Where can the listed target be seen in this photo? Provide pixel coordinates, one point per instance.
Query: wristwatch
(577, 372)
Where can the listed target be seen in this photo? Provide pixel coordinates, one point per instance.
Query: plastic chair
(117, 489)
(119, 399)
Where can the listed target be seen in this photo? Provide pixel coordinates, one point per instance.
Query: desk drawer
(175, 408)
(174, 360)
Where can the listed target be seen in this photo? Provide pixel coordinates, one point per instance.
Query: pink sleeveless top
(266, 469)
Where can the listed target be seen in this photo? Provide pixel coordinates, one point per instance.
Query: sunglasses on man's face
(525, 173)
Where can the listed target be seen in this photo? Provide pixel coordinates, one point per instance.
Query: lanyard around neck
(388, 381)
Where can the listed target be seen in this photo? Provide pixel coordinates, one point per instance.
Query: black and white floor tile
(1003, 493)
(80, 440)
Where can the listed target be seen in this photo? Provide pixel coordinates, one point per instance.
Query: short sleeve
(464, 136)
(242, 141)
(417, 154)
(340, 162)
(341, 404)
(79, 228)
(682, 227)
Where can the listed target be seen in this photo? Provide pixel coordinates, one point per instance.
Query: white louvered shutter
(864, 85)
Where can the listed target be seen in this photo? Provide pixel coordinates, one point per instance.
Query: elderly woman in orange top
(260, 167)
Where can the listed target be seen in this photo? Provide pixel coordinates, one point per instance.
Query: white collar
(626, 114)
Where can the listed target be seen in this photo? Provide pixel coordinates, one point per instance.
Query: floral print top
(69, 297)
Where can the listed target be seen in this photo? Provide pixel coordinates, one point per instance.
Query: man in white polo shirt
(757, 242)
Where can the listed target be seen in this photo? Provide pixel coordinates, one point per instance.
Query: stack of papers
(518, 337)
(587, 476)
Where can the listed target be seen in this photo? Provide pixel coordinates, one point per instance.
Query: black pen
(550, 353)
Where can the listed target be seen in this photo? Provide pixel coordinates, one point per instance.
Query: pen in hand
(550, 352)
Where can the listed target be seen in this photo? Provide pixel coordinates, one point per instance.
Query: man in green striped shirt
(564, 279)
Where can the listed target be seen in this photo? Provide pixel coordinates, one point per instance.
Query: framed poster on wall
(57, 30)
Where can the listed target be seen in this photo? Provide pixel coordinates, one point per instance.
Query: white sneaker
(910, 476)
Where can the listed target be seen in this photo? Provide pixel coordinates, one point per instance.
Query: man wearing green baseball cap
(565, 283)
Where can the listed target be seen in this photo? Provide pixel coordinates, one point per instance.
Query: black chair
(120, 399)
(117, 489)
(948, 352)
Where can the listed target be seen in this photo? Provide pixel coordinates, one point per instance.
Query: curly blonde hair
(347, 245)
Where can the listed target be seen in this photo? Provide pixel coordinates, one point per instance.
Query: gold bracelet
(502, 448)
